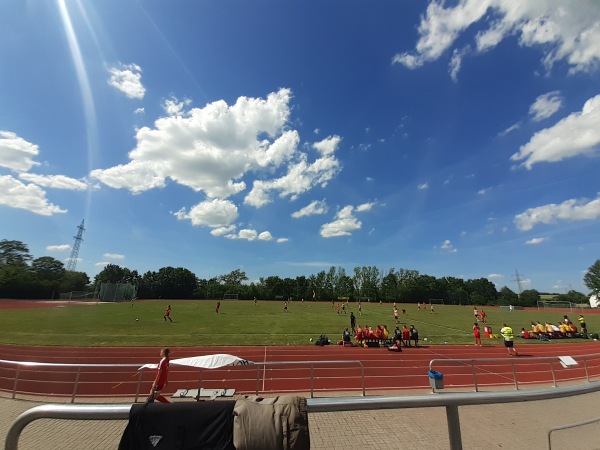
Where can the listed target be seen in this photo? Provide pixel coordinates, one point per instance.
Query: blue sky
(283, 138)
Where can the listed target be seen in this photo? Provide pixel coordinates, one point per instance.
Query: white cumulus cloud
(55, 181)
(569, 210)
(535, 241)
(575, 135)
(127, 78)
(113, 256)
(58, 248)
(448, 247)
(215, 213)
(545, 106)
(16, 194)
(345, 222)
(561, 31)
(313, 208)
(16, 153)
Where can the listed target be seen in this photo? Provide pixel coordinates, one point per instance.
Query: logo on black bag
(154, 440)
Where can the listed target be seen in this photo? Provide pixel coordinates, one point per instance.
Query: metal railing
(72, 374)
(568, 427)
(451, 401)
(546, 370)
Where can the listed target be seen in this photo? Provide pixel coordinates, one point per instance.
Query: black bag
(179, 426)
(323, 340)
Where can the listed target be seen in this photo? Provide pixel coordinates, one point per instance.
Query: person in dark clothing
(346, 336)
(352, 321)
(414, 335)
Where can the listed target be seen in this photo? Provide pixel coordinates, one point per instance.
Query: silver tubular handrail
(68, 412)
(568, 427)
(451, 401)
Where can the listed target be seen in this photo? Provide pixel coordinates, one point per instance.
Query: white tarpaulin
(205, 362)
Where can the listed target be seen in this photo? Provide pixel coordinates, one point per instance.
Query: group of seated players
(563, 329)
(361, 335)
(381, 336)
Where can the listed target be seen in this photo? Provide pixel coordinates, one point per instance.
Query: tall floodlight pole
(519, 282)
(75, 252)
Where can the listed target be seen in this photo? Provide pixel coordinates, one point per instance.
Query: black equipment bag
(180, 426)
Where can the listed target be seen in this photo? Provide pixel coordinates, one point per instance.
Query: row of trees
(21, 276)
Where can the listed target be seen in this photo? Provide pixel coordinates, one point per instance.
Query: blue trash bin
(436, 379)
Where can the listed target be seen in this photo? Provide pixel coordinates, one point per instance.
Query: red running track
(383, 370)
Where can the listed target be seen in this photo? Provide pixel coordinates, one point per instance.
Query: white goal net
(554, 304)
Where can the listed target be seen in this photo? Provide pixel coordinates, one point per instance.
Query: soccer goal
(116, 292)
(556, 304)
(231, 296)
(81, 296)
(511, 308)
(436, 301)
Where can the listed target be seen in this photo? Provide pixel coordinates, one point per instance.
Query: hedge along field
(195, 323)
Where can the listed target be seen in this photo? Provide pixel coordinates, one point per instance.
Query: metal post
(312, 371)
(14, 392)
(362, 370)
(474, 377)
(553, 375)
(587, 375)
(75, 385)
(454, 427)
(139, 384)
(257, 377)
(515, 376)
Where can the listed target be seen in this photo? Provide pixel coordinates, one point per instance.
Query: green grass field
(195, 323)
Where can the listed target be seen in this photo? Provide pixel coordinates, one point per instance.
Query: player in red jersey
(161, 379)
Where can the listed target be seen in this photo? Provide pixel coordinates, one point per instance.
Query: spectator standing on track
(582, 325)
(352, 321)
(161, 379)
(168, 314)
(405, 336)
(509, 339)
(477, 333)
(414, 335)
